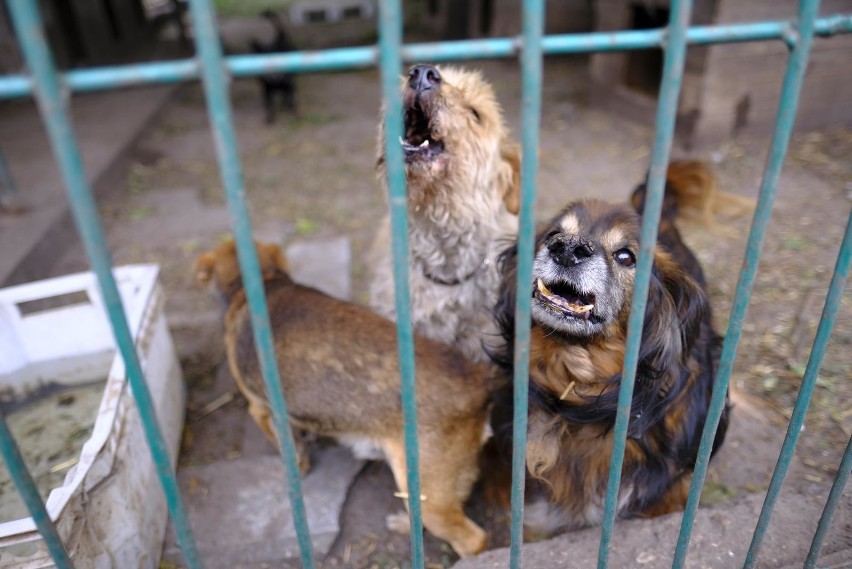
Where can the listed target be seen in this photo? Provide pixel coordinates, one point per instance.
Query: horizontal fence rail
(51, 90)
(82, 80)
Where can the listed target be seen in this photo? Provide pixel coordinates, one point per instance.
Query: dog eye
(475, 114)
(624, 257)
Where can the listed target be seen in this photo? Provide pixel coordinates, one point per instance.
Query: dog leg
(397, 522)
(290, 98)
(448, 471)
(263, 418)
(674, 500)
(449, 522)
(269, 103)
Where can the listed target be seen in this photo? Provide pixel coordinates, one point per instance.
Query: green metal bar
(29, 493)
(673, 66)
(831, 504)
(390, 40)
(112, 77)
(806, 390)
(790, 90)
(531, 79)
(215, 81)
(51, 103)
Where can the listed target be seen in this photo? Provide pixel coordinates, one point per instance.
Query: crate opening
(29, 307)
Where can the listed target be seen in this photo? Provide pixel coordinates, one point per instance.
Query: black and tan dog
(582, 285)
(340, 374)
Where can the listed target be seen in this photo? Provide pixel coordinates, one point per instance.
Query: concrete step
(240, 513)
(720, 539)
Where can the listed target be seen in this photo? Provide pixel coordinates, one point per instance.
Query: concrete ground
(309, 182)
(35, 236)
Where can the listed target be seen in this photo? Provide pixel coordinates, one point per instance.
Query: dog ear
(510, 176)
(676, 307)
(271, 259)
(279, 259)
(504, 308)
(205, 266)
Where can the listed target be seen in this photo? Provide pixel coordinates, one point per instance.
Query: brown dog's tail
(692, 191)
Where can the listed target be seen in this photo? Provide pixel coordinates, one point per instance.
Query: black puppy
(272, 83)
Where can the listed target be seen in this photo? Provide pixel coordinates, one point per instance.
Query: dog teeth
(409, 146)
(559, 301)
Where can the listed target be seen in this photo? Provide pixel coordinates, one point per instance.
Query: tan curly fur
(462, 205)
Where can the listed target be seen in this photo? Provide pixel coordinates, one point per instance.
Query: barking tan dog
(340, 375)
(462, 175)
(581, 291)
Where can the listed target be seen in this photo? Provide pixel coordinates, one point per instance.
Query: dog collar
(454, 282)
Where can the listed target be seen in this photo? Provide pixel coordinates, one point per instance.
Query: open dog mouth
(418, 144)
(565, 300)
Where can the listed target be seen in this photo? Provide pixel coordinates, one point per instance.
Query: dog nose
(423, 78)
(571, 251)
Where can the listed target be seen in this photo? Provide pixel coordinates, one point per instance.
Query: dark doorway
(644, 69)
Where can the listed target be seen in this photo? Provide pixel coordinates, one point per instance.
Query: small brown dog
(340, 374)
(696, 197)
(581, 290)
(463, 180)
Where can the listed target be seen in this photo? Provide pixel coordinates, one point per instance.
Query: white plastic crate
(110, 511)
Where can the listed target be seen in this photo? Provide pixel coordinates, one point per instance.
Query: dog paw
(398, 523)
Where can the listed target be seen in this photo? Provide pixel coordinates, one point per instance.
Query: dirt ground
(311, 176)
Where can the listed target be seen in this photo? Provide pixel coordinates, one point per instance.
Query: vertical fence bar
(531, 79)
(830, 506)
(802, 34)
(209, 53)
(29, 493)
(49, 95)
(673, 66)
(826, 323)
(390, 63)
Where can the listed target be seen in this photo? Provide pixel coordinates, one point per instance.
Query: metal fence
(51, 91)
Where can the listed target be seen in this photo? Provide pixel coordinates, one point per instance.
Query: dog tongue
(561, 302)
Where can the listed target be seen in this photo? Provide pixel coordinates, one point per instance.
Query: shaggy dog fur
(581, 290)
(339, 371)
(462, 173)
